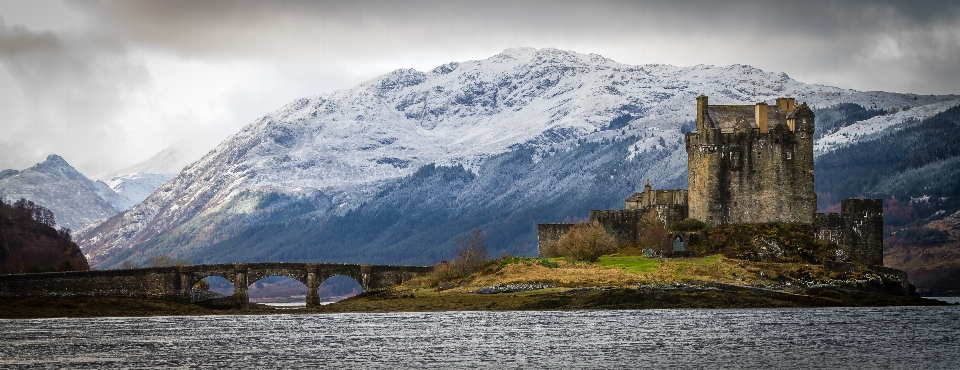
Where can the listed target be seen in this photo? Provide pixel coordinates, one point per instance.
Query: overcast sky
(109, 84)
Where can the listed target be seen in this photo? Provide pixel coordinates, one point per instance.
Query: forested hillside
(417, 219)
(920, 161)
(30, 243)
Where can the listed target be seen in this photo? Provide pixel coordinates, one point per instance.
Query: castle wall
(859, 227)
(624, 225)
(550, 233)
(863, 229)
(657, 197)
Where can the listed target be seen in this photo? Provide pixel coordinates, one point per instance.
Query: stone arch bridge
(177, 282)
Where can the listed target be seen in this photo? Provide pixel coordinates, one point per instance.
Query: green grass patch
(630, 263)
(644, 264)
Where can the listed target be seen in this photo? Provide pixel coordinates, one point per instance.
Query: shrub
(471, 253)
(688, 224)
(584, 242)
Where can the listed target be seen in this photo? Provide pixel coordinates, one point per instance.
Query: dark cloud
(71, 88)
(803, 38)
(68, 85)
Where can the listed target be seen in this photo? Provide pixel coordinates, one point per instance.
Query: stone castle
(747, 164)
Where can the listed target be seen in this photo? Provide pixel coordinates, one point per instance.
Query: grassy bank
(613, 282)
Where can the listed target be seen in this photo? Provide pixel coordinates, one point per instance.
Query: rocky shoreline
(702, 295)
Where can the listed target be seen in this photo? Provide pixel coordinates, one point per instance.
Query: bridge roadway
(177, 282)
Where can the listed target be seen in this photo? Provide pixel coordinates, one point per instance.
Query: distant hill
(30, 243)
(137, 182)
(930, 254)
(56, 185)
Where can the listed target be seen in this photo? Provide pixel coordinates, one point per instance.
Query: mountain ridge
(75, 199)
(345, 145)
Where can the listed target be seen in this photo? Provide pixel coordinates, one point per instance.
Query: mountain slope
(930, 255)
(914, 158)
(137, 182)
(54, 184)
(344, 148)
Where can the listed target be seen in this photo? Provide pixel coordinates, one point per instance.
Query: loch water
(821, 338)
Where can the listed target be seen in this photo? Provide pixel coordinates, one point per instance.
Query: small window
(735, 159)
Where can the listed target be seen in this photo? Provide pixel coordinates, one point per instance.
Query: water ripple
(828, 338)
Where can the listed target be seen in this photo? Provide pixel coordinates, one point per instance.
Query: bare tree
(654, 234)
(471, 253)
(163, 260)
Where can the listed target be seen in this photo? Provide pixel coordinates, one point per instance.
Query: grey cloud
(71, 87)
(827, 34)
(72, 82)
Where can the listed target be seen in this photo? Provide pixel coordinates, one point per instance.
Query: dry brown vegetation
(621, 271)
(584, 242)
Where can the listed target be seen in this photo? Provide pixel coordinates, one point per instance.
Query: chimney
(760, 115)
(786, 104)
(701, 114)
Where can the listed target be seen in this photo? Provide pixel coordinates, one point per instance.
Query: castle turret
(804, 120)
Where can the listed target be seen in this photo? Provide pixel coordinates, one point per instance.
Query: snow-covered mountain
(74, 199)
(342, 148)
(137, 182)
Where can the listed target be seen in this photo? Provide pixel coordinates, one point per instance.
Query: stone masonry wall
(863, 229)
(141, 283)
(550, 233)
(859, 227)
(622, 225)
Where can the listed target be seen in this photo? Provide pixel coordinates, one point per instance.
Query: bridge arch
(196, 277)
(211, 287)
(277, 289)
(338, 287)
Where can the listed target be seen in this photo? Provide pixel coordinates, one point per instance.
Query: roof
(730, 117)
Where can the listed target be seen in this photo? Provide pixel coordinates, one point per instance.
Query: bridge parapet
(177, 282)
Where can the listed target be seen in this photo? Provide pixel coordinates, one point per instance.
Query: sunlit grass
(647, 265)
(619, 271)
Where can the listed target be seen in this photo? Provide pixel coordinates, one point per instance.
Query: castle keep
(751, 163)
(747, 164)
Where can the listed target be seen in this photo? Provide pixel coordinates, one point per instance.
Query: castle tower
(863, 229)
(751, 163)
